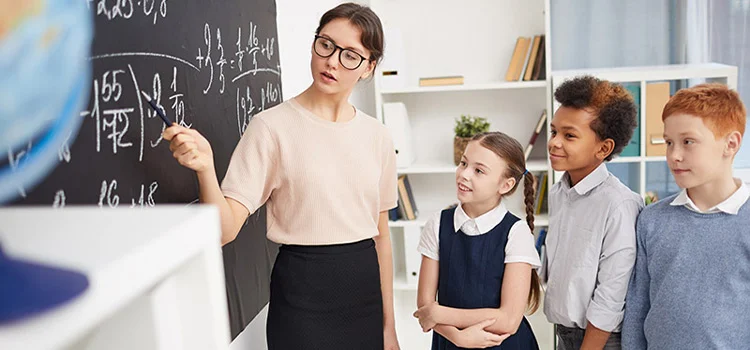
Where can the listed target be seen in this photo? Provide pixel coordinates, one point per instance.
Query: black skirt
(326, 297)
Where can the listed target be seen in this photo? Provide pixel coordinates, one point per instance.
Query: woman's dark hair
(364, 19)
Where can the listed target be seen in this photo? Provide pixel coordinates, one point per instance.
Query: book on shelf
(633, 148)
(540, 67)
(540, 200)
(657, 95)
(517, 59)
(440, 81)
(399, 212)
(540, 240)
(408, 207)
(527, 60)
(393, 214)
(532, 57)
(537, 130)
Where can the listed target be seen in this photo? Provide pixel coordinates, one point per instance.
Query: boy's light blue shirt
(691, 283)
(590, 250)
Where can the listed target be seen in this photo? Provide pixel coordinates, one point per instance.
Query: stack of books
(528, 60)
(440, 81)
(407, 207)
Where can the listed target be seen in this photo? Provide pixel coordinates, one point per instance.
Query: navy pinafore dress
(471, 276)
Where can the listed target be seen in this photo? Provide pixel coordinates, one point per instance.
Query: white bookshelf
(477, 43)
(714, 71)
(474, 40)
(450, 168)
(504, 85)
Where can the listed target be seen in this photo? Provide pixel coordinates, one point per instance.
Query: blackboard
(212, 65)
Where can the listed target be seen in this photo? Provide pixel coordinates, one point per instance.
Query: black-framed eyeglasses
(348, 58)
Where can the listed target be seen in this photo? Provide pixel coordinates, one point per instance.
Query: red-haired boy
(690, 288)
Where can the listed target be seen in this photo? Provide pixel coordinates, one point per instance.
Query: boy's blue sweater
(690, 287)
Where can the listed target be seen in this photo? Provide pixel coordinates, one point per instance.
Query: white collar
(730, 205)
(588, 183)
(484, 222)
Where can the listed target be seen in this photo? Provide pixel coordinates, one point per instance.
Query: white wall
(297, 21)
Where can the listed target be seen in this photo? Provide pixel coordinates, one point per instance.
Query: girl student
(478, 258)
(332, 281)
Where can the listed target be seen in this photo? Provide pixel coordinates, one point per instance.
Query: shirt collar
(730, 205)
(588, 183)
(484, 222)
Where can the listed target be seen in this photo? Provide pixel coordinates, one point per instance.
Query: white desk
(156, 277)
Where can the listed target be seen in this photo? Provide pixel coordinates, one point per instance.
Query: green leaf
(468, 126)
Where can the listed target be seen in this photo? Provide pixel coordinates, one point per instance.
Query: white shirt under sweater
(730, 205)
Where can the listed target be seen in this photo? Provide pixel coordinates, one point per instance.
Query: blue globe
(44, 50)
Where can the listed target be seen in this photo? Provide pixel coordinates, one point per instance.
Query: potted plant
(466, 128)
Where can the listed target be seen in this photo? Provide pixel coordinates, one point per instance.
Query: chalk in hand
(157, 109)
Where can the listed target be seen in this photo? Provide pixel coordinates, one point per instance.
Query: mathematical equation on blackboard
(232, 63)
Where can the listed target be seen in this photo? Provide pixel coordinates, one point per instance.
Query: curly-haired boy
(590, 245)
